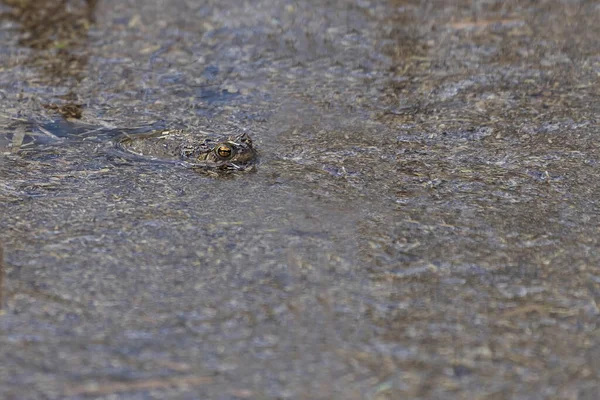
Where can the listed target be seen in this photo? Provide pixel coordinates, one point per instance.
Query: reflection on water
(57, 33)
(1, 277)
(45, 24)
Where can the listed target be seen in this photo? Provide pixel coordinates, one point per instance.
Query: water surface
(423, 222)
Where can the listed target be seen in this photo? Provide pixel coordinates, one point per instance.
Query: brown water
(423, 223)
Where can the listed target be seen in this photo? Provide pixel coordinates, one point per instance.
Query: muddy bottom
(422, 224)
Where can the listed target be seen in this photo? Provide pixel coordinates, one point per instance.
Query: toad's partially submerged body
(194, 149)
(232, 153)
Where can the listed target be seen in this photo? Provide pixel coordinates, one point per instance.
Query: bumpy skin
(232, 153)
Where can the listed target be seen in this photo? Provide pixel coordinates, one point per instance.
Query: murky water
(422, 223)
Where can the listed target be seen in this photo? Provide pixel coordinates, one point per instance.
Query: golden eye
(223, 151)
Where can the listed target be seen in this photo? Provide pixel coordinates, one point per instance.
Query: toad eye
(224, 151)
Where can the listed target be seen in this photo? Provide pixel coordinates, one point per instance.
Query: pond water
(423, 222)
